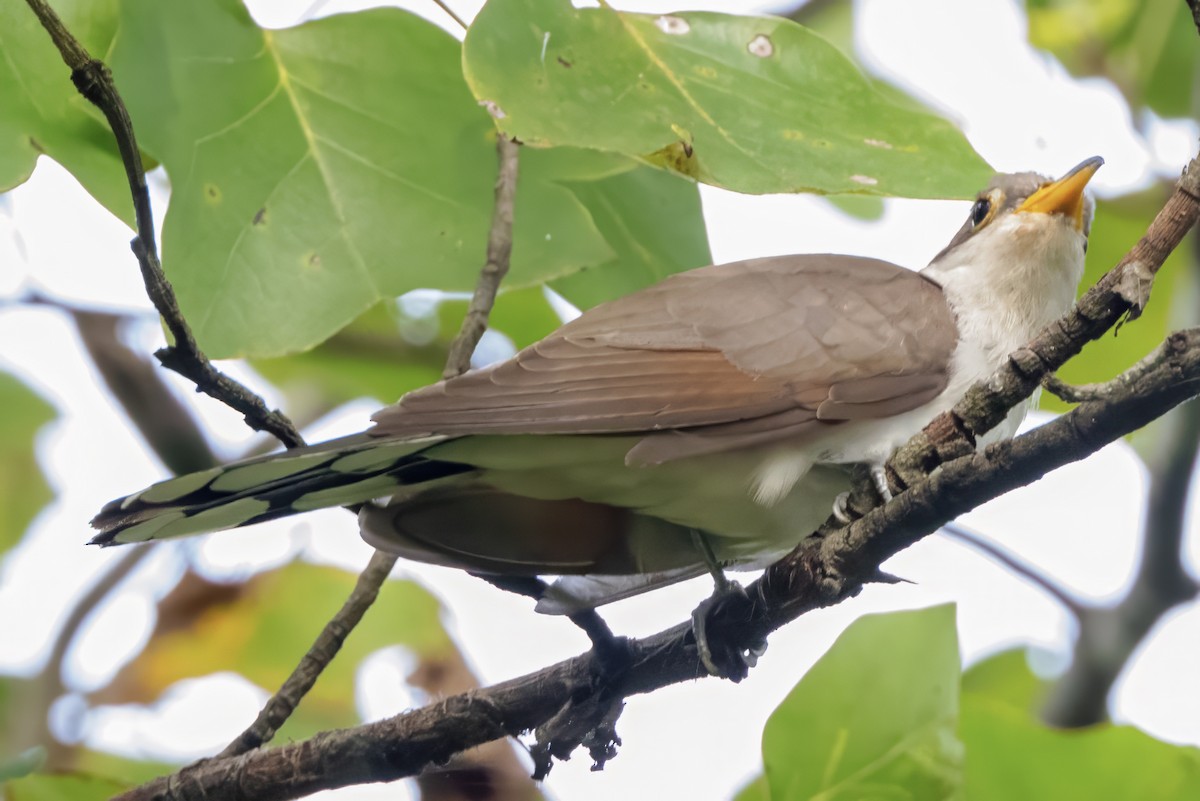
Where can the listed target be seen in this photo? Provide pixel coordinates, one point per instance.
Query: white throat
(1010, 280)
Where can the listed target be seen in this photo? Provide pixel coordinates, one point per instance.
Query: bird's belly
(710, 493)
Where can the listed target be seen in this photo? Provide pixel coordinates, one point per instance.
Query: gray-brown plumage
(725, 400)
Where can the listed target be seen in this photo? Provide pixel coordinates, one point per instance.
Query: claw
(879, 476)
(841, 508)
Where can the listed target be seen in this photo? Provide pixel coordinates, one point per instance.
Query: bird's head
(1023, 243)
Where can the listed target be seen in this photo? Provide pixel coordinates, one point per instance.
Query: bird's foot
(841, 509)
(879, 476)
(719, 656)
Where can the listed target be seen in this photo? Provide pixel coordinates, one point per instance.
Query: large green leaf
(1010, 755)
(318, 169)
(755, 104)
(1006, 677)
(875, 717)
(43, 113)
(23, 489)
(1147, 47)
(265, 630)
(655, 224)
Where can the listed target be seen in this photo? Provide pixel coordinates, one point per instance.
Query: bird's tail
(340, 472)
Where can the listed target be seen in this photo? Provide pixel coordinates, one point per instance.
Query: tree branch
(499, 253)
(1067, 599)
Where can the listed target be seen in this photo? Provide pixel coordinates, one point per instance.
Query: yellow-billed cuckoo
(726, 400)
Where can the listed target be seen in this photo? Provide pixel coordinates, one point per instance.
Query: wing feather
(725, 351)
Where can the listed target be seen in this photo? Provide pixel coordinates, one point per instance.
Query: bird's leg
(612, 652)
(729, 662)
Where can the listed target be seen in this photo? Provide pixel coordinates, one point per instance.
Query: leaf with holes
(754, 104)
(319, 169)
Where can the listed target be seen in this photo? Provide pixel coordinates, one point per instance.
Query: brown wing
(735, 349)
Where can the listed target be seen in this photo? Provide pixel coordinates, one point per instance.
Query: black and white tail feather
(341, 472)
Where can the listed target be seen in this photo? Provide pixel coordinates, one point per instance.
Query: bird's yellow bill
(1064, 196)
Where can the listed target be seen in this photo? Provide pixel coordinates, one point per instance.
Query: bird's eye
(979, 211)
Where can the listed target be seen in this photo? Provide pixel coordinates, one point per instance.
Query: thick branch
(822, 571)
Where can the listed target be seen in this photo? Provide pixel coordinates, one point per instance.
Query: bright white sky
(693, 741)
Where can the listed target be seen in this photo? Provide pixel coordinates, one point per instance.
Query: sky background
(698, 740)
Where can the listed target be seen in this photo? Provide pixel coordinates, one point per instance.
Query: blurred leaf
(268, 626)
(1010, 756)
(386, 352)
(63, 787)
(314, 172)
(381, 355)
(23, 489)
(1147, 47)
(756, 790)
(754, 104)
(130, 772)
(875, 717)
(43, 113)
(1118, 225)
(862, 207)
(22, 764)
(1006, 677)
(655, 224)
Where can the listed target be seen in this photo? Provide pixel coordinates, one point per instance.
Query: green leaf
(1010, 755)
(1147, 47)
(44, 114)
(1117, 227)
(23, 763)
(875, 717)
(754, 104)
(655, 224)
(319, 169)
(63, 787)
(263, 633)
(756, 790)
(23, 489)
(386, 352)
(1006, 677)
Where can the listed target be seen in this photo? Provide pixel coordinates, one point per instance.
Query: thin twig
(1073, 604)
(499, 252)
(1071, 393)
(444, 6)
(94, 81)
(499, 247)
(281, 705)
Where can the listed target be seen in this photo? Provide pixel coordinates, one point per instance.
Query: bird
(706, 422)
